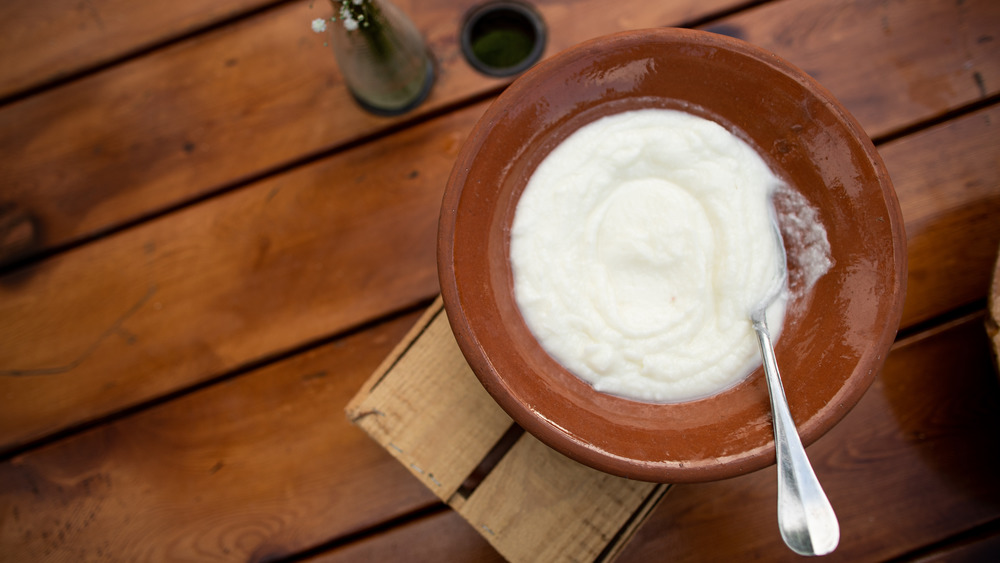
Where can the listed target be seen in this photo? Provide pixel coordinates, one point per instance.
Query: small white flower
(358, 2)
(350, 24)
(319, 25)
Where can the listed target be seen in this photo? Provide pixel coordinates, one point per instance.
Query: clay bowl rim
(477, 341)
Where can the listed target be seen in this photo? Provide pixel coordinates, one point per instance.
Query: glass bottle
(381, 55)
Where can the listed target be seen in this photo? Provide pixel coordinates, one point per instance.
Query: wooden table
(206, 248)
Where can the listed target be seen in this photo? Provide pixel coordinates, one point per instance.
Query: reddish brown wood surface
(175, 127)
(977, 546)
(911, 465)
(442, 537)
(227, 277)
(178, 411)
(221, 324)
(184, 121)
(44, 41)
(255, 468)
(948, 182)
(886, 61)
(223, 269)
(242, 277)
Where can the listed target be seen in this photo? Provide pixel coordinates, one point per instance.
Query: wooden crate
(426, 408)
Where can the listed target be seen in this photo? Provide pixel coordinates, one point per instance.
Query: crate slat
(428, 410)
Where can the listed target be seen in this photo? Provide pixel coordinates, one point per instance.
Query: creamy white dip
(638, 249)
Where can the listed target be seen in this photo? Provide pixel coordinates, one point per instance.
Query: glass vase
(381, 55)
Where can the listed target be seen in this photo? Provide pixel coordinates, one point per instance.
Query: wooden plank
(911, 465)
(44, 41)
(177, 126)
(257, 468)
(983, 546)
(253, 274)
(223, 107)
(948, 182)
(442, 537)
(538, 505)
(888, 62)
(427, 409)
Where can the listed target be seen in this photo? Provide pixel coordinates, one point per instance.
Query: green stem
(371, 25)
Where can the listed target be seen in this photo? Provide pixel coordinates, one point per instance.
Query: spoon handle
(806, 520)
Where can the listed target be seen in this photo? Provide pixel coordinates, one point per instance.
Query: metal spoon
(806, 520)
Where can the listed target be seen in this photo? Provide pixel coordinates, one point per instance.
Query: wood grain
(428, 410)
(538, 505)
(252, 469)
(264, 465)
(288, 260)
(964, 155)
(224, 107)
(80, 160)
(912, 464)
(41, 42)
(442, 537)
(983, 546)
(887, 62)
(256, 273)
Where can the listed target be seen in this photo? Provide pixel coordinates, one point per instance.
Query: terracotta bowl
(835, 338)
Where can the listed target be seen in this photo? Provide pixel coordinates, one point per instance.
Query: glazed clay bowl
(835, 338)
